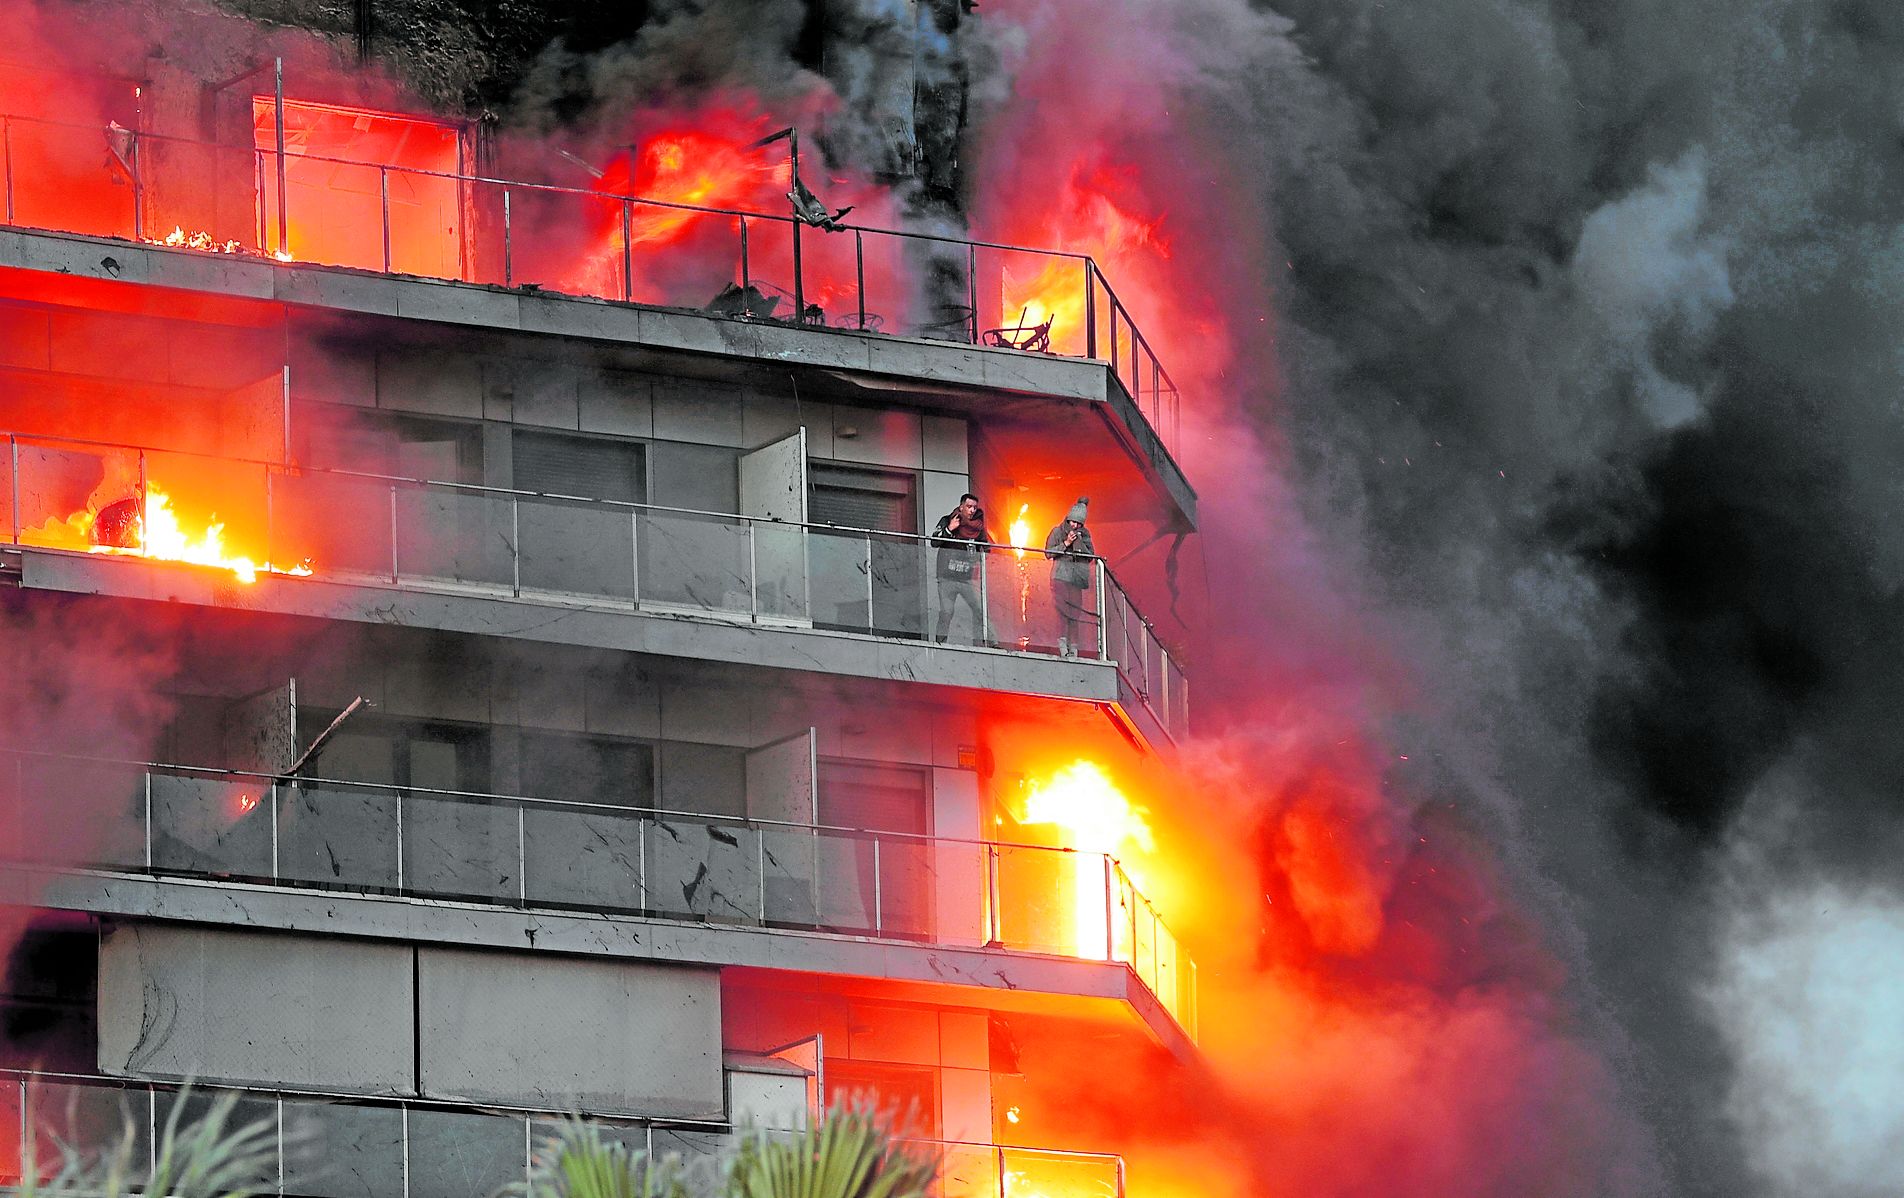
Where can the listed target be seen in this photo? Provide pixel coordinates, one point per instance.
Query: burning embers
(152, 529)
(178, 238)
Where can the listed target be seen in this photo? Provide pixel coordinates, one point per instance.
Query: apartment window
(400, 753)
(866, 583)
(910, 1090)
(447, 451)
(857, 497)
(896, 800)
(589, 467)
(588, 769)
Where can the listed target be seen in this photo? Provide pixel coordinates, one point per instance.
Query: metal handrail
(926, 540)
(494, 797)
(985, 922)
(1161, 383)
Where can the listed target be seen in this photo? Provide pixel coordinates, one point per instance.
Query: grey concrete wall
(609, 1036)
(569, 394)
(231, 1005)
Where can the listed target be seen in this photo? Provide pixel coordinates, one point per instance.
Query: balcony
(235, 201)
(548, 855)
(378, 532)
(354, 1146)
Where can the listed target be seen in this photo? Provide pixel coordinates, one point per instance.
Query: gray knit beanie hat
(1077, 509)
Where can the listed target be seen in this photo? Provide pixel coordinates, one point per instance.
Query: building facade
(563, 703)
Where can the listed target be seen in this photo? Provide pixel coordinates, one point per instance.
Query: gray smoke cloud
(1589, 338)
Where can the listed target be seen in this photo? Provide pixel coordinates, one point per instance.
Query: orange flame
(1094, 818)
(158, 533)
(1021, 531)
(1087, 221)
(178, 238)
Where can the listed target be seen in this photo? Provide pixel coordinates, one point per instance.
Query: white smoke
(1809, 997)
(1646, 260)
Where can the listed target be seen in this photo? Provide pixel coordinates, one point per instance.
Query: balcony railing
(332, 1145)
(492, 541)
(138, 186)
(517, 851)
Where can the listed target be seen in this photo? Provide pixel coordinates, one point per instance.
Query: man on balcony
(1069, 547)
(962, 542)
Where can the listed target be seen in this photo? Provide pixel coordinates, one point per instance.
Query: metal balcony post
(6, 142)
(138, 191)
(14, 443)
(859, 274)
(799, 273)
(515, 546)
(1103, 585)
(641, 863)
(148, 819)
(257, 162)
(993, 918)
(404, 1134)
(274, 831)
(1090, 308)
(971, 285)
(394, 573)
(634, 556)
(879, 912)
(746, 280)
(396, 800)
(284, 234)
(753, 575)
(760, 865)
(984, 598)
(142, 505)
(383, 195)
(1114, 358)
(869, 584)
(522, 854)
(999, 1172)
(1110, 909)
(508, 245)
(627, 252)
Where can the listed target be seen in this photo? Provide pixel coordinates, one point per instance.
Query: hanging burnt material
(118, 526)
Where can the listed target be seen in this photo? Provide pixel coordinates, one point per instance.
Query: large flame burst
(1095, 819)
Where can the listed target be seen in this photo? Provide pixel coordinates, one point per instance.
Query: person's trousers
(951, 592)
(1073, 615)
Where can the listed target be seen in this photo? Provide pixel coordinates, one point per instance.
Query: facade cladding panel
(607, 1037)
(228, 1005)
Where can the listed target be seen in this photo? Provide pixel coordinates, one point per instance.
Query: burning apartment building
(503, 664)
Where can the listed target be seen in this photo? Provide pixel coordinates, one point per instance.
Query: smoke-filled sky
(1587, 386)
(1569, 331)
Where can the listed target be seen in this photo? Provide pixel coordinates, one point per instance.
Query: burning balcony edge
(406, 297)
(635, 630)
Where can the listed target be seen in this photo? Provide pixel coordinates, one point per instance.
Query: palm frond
(577, 1162)
(850, 1153)
(205, 1157)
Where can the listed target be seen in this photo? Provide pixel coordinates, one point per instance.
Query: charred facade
(536, 686)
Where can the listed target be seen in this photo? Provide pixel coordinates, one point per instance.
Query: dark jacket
(1070, 567)
(959, 551)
